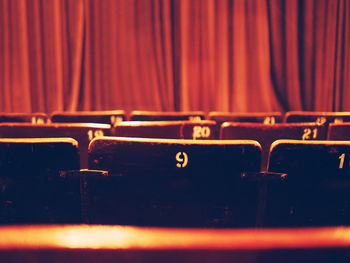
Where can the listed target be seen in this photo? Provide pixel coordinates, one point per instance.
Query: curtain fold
(40, 43)
(310, 44)
(227, 55)
(128, 55)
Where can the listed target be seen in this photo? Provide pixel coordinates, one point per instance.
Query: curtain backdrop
(227, 55)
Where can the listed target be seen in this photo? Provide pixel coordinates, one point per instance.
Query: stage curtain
(310, 53)
(40, 54)
(128, 55)
(227, 55)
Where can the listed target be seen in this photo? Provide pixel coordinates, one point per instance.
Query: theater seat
(318, 117)
(256, 117)
(314, 190)
(83, 133)
(167, 129)
(266, 134)
(166, 116)
(30, 187)
(168, 182)
(106, 117)
(157, 245)
(35, 118)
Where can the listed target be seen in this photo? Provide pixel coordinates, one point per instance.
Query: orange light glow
(125, 237)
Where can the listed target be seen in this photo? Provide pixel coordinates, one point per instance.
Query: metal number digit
(269, 120)
(200, 132)
(182, 159)
(306, 135)
(341, 162)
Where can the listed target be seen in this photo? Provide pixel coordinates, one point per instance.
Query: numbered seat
(166, 116)
(83, 133)
(35, 118)
(169, 182)
(167, 129)
(30, 187)
(266, 134)
(314, 187)
(318, 117)
(106, 117)
(256, 117)
(339, 131)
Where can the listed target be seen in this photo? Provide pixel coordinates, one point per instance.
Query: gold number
(200, 132)
(116, 119)
(269, 120)
(321, 120)
(37, 120)
(342, 159)
(338, 120)
(92, 134)
(194, 118)
(309, 134)
(182, 159)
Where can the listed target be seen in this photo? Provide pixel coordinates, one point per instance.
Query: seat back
(266, 134)
(106, 117)
(149, 129)
(166, 116)
(168, 182)
(339, 131)
(318, 117)
(256, 117)
(83, 133)
(31, 191)
(34, 118)
(315, 188)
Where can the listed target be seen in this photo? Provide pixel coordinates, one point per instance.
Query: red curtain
(310, 43)
(229, 55)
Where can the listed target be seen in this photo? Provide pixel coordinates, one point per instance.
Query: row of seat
(128, 244)
(204, 130)
(177, 183)
(115, 116)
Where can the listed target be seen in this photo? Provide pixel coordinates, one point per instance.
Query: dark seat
(163, 182)
(266, 134)
(339, 131)
(30, 187)
(256, 117)
(35, 118)
(167, 129)
(315, 188)
(166, 116)
(106, 117)
(318, 117)
(83, 133)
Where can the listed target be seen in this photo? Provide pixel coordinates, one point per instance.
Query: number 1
(342, 159)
